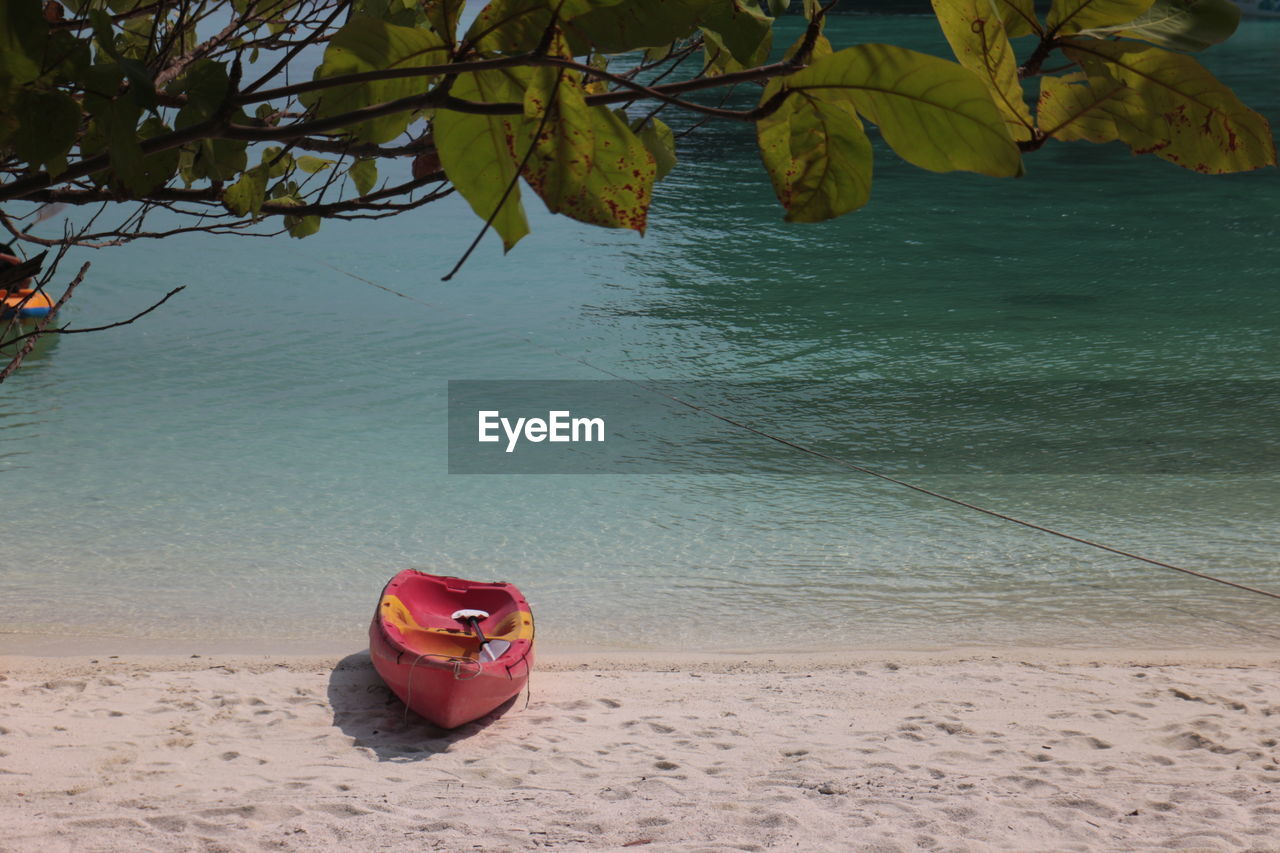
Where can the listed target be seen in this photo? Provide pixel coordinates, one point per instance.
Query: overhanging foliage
(189, 106)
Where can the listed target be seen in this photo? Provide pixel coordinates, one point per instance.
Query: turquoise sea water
(253, 460)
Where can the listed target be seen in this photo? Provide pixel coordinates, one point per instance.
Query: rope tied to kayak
(455, 661)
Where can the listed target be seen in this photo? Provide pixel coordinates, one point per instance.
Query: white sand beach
(991, 750)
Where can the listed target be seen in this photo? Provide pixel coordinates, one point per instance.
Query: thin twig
(32, 337)
(63, 330)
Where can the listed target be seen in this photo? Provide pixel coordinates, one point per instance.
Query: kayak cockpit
(431, 632)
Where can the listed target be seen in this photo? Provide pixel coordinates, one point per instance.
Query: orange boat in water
(453, 650)
(29, 304)
(20, 297)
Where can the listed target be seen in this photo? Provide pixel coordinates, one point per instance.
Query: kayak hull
(29, 305)
(433, 662)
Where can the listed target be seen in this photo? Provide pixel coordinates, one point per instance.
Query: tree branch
(220, 126)
(179, 66)
(31, 337)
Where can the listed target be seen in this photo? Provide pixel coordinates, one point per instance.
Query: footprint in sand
(1078, 740)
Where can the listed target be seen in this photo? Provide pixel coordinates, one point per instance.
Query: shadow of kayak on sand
(366, 710)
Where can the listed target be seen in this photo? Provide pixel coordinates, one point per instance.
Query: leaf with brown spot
(585, 162)
(1097, 109)
(476, 153)
(980, 43)
(817, 154)
(1195, 121)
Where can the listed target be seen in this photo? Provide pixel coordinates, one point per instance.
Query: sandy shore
(959, 751)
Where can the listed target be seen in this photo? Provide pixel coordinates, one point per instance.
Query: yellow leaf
(1097, 109)
(1018, 16)
(817, 154)
(1181, 112)
(586, 163)
(475, 152)
(932, 112)
(980, 43)
(1072, 16)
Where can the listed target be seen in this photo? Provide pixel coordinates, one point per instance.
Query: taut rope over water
(844, 462)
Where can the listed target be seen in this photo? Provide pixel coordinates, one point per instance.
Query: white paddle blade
(494, 649)
(467, 614)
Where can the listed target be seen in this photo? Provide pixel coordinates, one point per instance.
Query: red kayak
(453, 650)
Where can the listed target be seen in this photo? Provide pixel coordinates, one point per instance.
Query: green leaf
(286, 192)
(1018, 16)
(392, 11)
(1074, 106)
(1194, 120)
(47, 126)
(218, 159)
(933, 113)
(276, 161)
(743, 29)
(634, 24)
(586, 163)
(311, 165)
(23, 32)
(544, 81)
(816, 152)
(116, 124)
(246, 195)
(142, 89)
(364, 174)
(368, 44)
(160, 166)
(66, 57)
(980, 43)
(186, 157)
(443, 16)
(1072, 16)
(104, 34)
(114, 129)
(1179, 24)
(821, 48)
(476, 155)
(511, 26)
(661, 142)
(205, 85)
(137, 38)
(717, 59)
(302, 226)
(657, 54)
(778, 7)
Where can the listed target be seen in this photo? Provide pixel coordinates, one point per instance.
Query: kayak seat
(433, 633)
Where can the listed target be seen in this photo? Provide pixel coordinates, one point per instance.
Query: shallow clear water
(256, 458)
